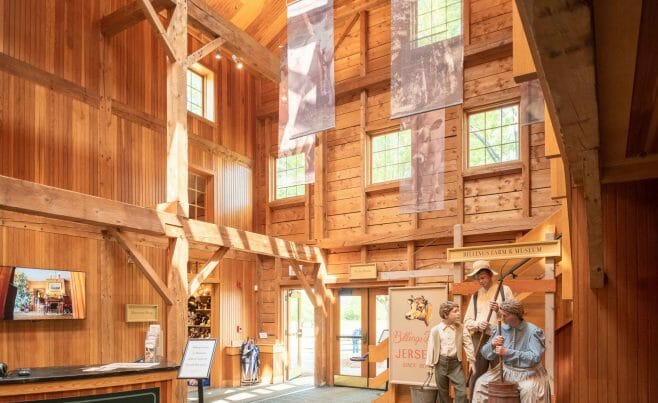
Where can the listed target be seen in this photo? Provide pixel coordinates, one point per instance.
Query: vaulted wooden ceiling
(263, 20)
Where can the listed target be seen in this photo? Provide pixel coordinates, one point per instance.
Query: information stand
(197, 360)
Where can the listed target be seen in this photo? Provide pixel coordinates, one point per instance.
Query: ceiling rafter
(207, 20)
(561, 38)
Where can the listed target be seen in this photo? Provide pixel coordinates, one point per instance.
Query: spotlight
(237, 61)
(218, 56)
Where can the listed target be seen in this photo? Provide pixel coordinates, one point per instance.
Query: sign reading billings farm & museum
(519, 250)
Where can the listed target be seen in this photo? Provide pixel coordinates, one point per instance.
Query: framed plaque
(141, 313)
(197, 359)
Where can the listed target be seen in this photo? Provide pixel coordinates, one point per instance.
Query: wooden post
(411, 261)
(549, 313)
(458, 242)
(177, 177)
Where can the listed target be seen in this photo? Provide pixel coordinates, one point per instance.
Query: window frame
(415, 20)
(209, 188)
(371, 187)
(207, 93)
(499, 168)
(285, 201)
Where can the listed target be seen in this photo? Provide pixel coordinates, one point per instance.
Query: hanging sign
(506, 251)
(363, 271)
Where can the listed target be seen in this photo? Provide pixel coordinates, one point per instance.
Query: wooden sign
(363, 271)
(506, 251)
(141, 313)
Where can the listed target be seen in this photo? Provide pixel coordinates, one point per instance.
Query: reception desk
(153, 384)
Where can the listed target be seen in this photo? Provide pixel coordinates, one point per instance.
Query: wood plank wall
(497, 198)
(613, 331)
(54, 135)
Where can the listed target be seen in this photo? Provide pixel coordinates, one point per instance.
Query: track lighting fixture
(237, 61)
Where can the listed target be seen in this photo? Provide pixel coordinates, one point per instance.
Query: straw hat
(480, 265)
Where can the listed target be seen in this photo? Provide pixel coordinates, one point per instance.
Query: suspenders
(475, 302)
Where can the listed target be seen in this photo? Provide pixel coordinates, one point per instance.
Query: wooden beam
(129, 15)
(51, 81)
(207, 269)
(347, 30)
(252, 53)
(561, 39)
(487, 51)
(643, 123)
(204, 51)
(203, 17)
(443, 232)
(315, 300)
(518, 286)
(350, 8)
(631, 169)
(143, 264)
(379, 77)
(46, 201)
(409, 274)
(153, 17)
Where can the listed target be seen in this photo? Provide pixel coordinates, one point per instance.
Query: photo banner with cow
(414, 311)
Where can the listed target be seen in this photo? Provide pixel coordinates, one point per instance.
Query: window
(200, 91)
(195, 92)
(290, 173)
(493, 136)
(391, 156)
(196, 191)
(437, 20)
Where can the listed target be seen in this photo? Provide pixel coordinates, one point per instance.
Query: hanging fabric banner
(292, 151)
(425, 190)
(531, 110)
(311, 97)
(427, 55)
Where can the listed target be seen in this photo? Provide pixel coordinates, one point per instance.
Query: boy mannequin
(444, 353)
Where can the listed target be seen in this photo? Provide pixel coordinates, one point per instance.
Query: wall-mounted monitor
(41, 294)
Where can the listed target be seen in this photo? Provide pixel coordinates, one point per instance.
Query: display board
(197, 359)
(414, 311)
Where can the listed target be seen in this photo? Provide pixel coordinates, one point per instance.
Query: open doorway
(299, 330)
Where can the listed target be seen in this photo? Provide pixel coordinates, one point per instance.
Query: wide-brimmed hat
(480, 265)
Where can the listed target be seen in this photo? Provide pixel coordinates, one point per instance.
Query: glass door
(362, 318)
(299, 333)
(293, 333)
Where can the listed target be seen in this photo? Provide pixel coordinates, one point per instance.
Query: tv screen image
(38, 294)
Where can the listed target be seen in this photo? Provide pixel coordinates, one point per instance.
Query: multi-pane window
(196, 191)
(391, 156)
(437, 20)
(290, 173)
(195, 86)
(493, 136)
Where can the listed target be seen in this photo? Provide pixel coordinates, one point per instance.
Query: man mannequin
(521, 346)
(475, 320)
(444, 353)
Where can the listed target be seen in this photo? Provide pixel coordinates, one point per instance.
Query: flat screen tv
(41, 294)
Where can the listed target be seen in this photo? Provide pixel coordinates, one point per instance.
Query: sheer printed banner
(288, 146)
(311, 97)
(427, 56)
(531, 110)
(424, 191)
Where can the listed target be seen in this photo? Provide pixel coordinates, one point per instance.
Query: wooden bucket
(504, 392)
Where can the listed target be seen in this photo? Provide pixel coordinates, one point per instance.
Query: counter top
(49, 374)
